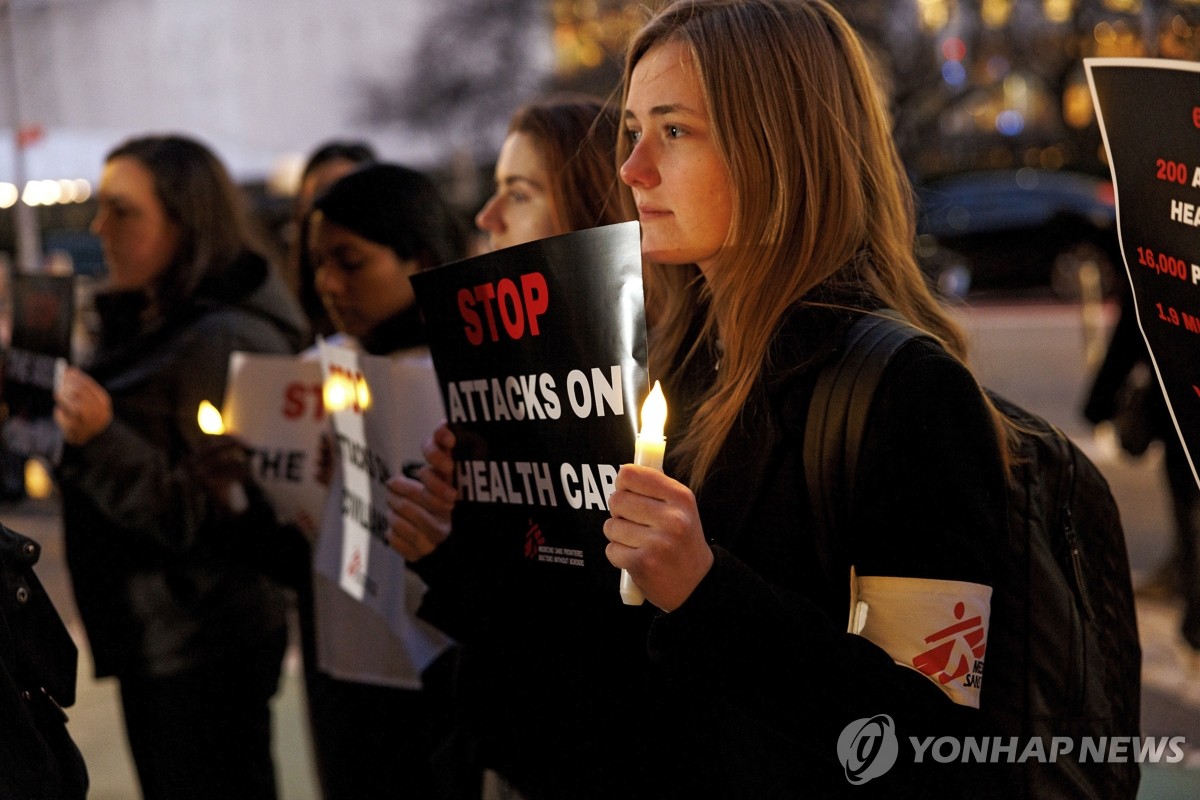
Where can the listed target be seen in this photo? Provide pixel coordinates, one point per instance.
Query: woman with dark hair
(162, 556)
(555, 172)
(329, 162)
(373, 709)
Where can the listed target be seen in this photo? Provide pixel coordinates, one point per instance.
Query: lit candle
(648, 450)
(341, 391)
(335, 393)
(38, 483)
(210, 421)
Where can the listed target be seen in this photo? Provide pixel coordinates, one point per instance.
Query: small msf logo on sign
(534, 540)
(868, 748)
(355, 566)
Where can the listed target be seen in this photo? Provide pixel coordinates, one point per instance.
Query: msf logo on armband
(957, 651)
(868, 748)
(936, 627)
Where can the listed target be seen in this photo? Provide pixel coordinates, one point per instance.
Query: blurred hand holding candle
(648, 451)
(211, 423)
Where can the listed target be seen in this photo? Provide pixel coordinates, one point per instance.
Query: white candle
(208, 417)
(648, 450)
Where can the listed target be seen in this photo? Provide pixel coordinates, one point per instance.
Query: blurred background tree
(475, 64)
(974, 84)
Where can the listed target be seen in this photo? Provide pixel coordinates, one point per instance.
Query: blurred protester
(38, 760)
(520, 692)
(325, 165)
(1125, 392)
(373, 704)
(555, 172)
(162, 550)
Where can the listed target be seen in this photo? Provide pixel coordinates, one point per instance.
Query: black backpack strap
(837, 420)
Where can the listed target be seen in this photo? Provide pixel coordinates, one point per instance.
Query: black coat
(165, 581)
(761, 676)
(38, 760)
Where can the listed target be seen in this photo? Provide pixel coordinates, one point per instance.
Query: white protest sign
(382, 409)
(273, 405)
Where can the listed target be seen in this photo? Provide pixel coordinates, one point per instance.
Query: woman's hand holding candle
(221, 463)
(648, 450)
(655, 534)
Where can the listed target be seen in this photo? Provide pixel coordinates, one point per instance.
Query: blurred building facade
(260, 81)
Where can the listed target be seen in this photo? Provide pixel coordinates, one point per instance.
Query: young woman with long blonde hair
(775, 211)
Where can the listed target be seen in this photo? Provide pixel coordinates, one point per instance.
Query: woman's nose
(488, 219)
(639, 168)
(326, 281)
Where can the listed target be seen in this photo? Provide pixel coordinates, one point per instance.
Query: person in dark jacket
(375, 697)
(162, 552)
(38, 760)
(1125, 391)
(774, 212)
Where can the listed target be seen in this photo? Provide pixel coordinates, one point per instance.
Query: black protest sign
(540, 352)
(42, 317)
(1149, 114)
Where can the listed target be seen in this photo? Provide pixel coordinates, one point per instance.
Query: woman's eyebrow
(665, 109)
(509, 180)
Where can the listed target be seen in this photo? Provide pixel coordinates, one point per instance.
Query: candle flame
(38, 483)
(654, 414)
(209, 419)
(336, 393)
(343, 391)
(363, 393)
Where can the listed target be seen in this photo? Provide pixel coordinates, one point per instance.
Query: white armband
(938, 628)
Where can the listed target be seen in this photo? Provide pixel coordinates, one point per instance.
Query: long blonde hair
(800, 122)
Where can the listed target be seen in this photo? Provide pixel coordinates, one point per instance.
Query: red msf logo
(355, 565)
(948, 658)
(533, 540)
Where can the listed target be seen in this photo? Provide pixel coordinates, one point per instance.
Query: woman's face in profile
(361, 282)
(683, 190)
(522, 208)
(138, 237)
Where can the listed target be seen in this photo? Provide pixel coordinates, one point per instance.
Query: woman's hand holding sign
(419, 507)
(655, 533)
